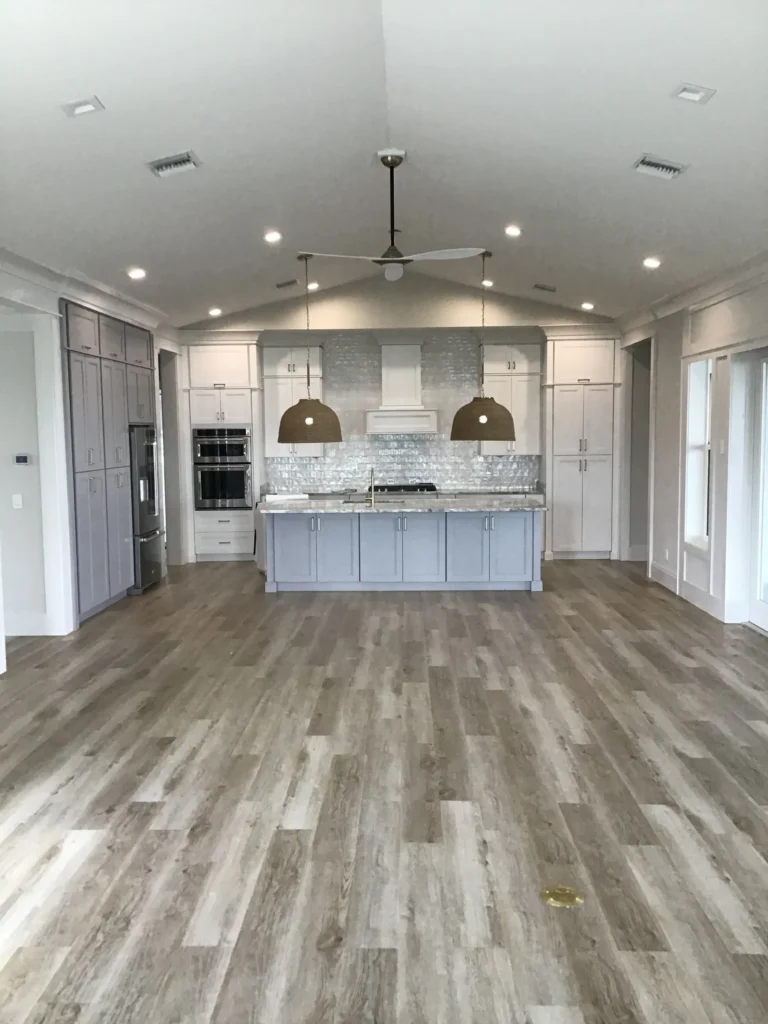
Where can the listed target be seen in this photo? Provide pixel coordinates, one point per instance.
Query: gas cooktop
(422, 488)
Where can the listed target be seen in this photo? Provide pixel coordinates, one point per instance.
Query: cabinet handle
(579, 465)
(223, 415)
(486, 523)
(586, 463)
(493, 522)
(225, 520)
(219, 385)
(90, 456)
(514, 364)
(509, 365)
(225, 542)
(87, 348)
(581, 442)
(91, 485)
(584, 380)
(405, 522)
(318, 524)
(312, 523)
(399, 524)
(585, 444)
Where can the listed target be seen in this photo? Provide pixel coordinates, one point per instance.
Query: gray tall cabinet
(111, 386)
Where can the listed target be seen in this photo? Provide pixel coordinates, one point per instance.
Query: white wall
(415, 301)
(21, 529)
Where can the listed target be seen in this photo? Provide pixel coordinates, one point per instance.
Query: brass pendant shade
(483, 419)
(309, 422)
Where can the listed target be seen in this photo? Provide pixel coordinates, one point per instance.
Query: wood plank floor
(220, 807)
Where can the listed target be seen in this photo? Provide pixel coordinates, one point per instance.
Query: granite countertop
(414, 503)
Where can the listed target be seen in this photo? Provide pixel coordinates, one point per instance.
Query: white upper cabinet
(401, 376)
(236, 406)
(279, 394)
(584, 362)
(512, 358)
(205, 407)
(521, 394)
(291, 362)
(214, 406)
(212, 366)
(598, 419)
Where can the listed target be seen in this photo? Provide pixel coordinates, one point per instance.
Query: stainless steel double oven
(222, 458)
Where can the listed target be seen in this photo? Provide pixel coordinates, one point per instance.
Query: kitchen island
(437, 542)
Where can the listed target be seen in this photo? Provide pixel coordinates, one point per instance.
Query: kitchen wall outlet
(17, 501)
(666, 554)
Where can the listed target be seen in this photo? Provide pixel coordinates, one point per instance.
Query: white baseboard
(664, 577)
(706, 602)
(582, 554)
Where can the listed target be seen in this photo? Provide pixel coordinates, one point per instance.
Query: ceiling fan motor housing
(391, 157)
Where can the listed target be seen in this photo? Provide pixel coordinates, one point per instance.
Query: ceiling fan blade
(342, 256)
(447, 254)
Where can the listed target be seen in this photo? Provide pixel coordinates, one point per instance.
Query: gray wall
(639, 444)
(352, 384)
(21, 530)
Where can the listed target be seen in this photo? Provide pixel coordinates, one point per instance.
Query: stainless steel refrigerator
(147, 537)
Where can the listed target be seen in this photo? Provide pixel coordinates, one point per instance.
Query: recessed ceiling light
(273, 237)
(588, 306)
(313, 286)
(76, 108)
(214, 311)
(652, 262)
(694, 93)
(487, 283)
(137, 274)
(512, 230)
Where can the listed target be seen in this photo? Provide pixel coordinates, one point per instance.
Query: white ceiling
(509, 112)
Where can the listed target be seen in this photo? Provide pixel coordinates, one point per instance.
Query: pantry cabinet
(582, 505)
(582, 419)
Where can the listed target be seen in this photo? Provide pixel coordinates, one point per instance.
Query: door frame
(625, 489)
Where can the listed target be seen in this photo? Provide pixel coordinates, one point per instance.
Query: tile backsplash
(352, 385)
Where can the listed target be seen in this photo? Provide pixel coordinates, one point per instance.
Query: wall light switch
(17, 501)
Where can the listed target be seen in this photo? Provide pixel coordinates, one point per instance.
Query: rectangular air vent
(659, 167)
(176, 164)
(545, 288)
(287, 284)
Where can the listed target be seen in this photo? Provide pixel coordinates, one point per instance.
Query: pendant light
(308, 421)
(483, 419)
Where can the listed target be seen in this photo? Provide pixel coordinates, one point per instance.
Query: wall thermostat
(22, 460)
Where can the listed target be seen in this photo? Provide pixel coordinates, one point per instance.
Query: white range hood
(401, 410)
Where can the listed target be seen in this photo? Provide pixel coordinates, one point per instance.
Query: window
(698, 458)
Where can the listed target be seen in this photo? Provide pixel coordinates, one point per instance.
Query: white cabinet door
(584, 362)
(497, 359)
(525, 406)
(222, 365)
(524, 358)
(567, 504)
(597, 482)
(500, 389)
(598, 419)
(276, 362)
(204, 407)
(401, 375)
(235, 406)
(299, 361)
(568, 423)
(278, 396)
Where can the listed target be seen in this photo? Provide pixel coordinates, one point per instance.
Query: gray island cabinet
(481, 543)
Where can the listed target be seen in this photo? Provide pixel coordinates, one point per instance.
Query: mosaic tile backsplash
(352, 385)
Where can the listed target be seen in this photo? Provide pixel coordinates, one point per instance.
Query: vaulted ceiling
(510, 112)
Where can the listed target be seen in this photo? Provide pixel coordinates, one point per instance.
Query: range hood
(401, 410)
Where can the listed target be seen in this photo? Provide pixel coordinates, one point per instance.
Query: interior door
(567, 503)
(598, 419)
(499, 387)
(597, 490)
(568, 423)
(758, 604)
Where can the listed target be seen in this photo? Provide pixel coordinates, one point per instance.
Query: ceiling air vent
(287, 284)
(176, 164)
(658, 167)
(545, 288)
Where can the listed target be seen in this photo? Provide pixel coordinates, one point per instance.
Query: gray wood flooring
(220, 807)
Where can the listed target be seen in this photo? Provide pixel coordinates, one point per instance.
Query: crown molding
(744, 278)
(581, 332)
(32, 286)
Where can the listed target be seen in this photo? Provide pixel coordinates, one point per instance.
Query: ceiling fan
(393, 260)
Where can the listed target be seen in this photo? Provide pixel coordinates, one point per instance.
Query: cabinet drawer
(221, 544)
(223, 521)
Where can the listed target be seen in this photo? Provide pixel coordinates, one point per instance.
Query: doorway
(638, 439)
(758, 598)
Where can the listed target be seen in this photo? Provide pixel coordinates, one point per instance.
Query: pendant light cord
(482, 328)
(306, 301)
